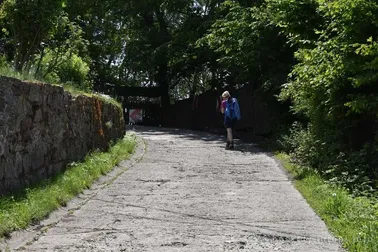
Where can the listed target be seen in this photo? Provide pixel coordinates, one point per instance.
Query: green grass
(34, 204)
(76, 92)
(5, 71)
(354, 220)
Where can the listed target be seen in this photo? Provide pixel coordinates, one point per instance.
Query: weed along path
(184, 192)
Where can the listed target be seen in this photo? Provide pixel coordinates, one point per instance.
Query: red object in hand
(224, 104)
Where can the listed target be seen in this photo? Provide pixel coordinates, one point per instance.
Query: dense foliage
(318, 55)
(334, 84)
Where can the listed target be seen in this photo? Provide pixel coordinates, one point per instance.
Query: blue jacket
(232, 110)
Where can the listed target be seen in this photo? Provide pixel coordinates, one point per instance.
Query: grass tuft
(34, 204)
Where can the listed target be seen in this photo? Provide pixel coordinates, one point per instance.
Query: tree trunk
(163, 82)
(38, 69)
(19, 62)
(162, 60)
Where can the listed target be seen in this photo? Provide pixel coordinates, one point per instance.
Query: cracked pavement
(185, 192)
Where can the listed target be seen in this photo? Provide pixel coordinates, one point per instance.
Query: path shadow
(242, 144)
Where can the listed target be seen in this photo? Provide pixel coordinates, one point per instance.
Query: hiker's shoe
(228, 145)
(231, 146)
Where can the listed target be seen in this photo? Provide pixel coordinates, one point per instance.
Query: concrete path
(184, 192)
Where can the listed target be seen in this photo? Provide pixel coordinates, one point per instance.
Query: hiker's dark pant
(230, 123)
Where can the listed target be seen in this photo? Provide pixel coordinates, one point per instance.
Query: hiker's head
(226, 95)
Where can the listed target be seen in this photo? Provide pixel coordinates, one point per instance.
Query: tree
(334, 86)
(250, 46)
(159, 43)
(63, 46)
(27, 24)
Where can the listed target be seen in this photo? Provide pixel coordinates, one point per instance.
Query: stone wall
(43, 128)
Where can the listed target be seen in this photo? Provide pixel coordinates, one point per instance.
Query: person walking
(231, 110)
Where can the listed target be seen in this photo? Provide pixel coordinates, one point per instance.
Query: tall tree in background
(104, 28)
(161, 41)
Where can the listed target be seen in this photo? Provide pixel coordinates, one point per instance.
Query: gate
(142, 113)
(142, 105)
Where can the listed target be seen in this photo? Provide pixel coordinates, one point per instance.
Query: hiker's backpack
(230, 109)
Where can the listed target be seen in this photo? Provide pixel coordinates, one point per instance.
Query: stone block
(17, 86)
(14, 171)
(35, 95)
(63, 154)
(38, 117)
(27, 164)
(2, 168)
(3, 119)
(26, 124)
(2, 104)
